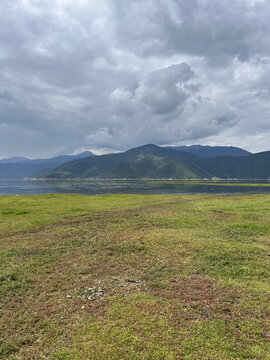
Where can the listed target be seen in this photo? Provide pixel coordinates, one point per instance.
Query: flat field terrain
(135, 277)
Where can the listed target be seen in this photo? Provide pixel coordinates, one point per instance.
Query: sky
(110, 75)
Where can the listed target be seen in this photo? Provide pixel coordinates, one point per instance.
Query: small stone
(206, 312)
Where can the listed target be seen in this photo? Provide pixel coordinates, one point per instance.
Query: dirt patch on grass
(201, 297)
(197, 291)
(196, 298)
(218, 215)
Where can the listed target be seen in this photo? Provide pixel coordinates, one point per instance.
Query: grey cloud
(216, 29)
(116, 74)
(162, 91)
(6, 96)
(167, 107)
(159, 93)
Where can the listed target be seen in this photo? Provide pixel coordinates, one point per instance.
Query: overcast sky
(109, 75)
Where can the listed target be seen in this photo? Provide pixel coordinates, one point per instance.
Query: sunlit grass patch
(208, 183)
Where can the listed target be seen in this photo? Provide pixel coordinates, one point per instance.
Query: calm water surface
(98, 187)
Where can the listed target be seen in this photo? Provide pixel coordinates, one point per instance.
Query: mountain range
(21, 167)
(152, 161)
(148, 161)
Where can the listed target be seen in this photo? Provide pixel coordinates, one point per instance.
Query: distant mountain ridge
(14, 160)
(148, 161)
(59, 159)
(152, 161)
(211, 151)
(20, 167)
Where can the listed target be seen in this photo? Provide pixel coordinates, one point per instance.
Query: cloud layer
(114, 74)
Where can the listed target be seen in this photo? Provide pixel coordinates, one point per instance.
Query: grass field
(135, 277)
(208, 183)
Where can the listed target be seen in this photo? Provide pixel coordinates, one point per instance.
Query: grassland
(208, 183)
(171, 277)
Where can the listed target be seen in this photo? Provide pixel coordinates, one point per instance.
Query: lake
(99, 187)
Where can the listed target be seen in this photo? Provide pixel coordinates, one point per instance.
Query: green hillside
(153, 166)
(149, 161)
(255, 166)
(211, 151)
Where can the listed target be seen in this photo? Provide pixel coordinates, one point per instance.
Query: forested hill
(152, 161)
(212, 151)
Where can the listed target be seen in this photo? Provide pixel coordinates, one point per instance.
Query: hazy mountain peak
(14, 160)
(20, 167)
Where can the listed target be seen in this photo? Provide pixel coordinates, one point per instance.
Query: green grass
(206, 182)
(183, 277)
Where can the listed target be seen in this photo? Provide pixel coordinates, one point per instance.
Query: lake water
(98, 187)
